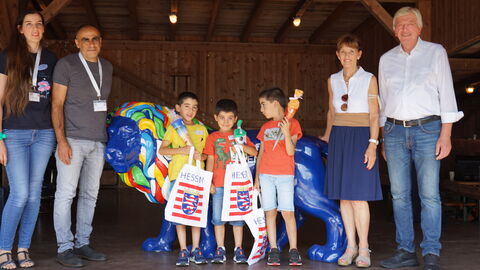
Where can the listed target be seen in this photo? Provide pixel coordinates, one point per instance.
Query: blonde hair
(405, 11)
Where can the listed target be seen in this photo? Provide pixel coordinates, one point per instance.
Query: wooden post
(425, 7)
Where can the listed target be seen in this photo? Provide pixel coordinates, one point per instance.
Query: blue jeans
(28, 152)
(84, 171)
(217, 207)
(404, 146)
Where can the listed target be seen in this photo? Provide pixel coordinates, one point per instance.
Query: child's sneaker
(239, 256)
(219, 256)
(294, 257)
(197, 257)
(183, 258)
(274, 257)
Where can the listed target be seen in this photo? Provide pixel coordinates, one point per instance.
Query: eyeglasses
(344, 106)
(95, 40)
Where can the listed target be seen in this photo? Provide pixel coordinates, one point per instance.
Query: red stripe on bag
(198, 211)
(185, 216)
(190, 186)
(239, 213)
(244, 183)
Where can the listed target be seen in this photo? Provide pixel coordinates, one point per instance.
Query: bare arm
(250, 150)
(259, 158)
(330, 114)
(59, 93)
(166, 150)
(3, 149)
(290, 141)
(373, 108)
(209, 167)
(444, 143)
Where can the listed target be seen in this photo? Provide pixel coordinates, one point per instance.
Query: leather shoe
(431, 262)
(88, 253)
(69, 259)
(401, 258)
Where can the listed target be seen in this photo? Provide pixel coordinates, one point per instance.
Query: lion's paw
(156, 244)
(324, 254)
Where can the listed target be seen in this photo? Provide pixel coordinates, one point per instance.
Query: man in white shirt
(418, 111)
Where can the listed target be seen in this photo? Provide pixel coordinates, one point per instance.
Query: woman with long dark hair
(28, 139)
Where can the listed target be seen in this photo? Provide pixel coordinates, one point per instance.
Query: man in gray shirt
(82, 83)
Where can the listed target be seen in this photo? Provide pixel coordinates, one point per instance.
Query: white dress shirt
(417, 85)
(357, 91)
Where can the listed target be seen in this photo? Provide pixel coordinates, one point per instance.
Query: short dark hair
(226, 105)
(349, 40)
(273, 94)
(184, 95)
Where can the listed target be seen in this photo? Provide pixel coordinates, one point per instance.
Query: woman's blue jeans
(404, 147)
(28, 152)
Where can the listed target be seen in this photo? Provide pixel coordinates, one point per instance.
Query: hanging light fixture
(470, 90)
(173, 18)
(297, 21)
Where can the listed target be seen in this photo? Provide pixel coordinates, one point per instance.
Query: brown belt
(416, 122)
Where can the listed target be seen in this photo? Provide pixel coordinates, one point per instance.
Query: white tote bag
(188, 201)
(256, 223)
(238, 187)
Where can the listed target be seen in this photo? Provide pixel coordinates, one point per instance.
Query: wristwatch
(374, 141)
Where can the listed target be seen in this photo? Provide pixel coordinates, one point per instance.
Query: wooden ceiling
(268, 21)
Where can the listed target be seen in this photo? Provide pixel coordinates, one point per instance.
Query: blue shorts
(274, 187)
(217, 205)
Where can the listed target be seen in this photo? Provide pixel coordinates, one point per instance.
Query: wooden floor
(124, 219)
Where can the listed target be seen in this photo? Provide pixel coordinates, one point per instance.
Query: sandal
(363, 261)
(346, 258)
(8, 262)
(26, 262)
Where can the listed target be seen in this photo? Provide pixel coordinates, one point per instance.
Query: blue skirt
(347, 177)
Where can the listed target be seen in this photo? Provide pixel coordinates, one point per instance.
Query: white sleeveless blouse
(357, 91)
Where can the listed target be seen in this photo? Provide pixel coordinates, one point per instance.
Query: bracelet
(374, 141)
(2, 136)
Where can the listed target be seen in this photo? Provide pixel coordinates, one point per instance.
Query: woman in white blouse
(352, 133)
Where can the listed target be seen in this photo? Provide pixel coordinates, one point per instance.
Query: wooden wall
(455, 21)
(221, 70)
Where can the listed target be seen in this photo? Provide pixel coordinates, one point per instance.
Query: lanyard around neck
(90, 75)
(35, 68)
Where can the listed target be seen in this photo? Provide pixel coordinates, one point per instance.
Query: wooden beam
(217, 6)
(252, 22)
(382, 16)
(91, 14)
(425, 7)
(153, 45)
(54, 23)
(300, 8)
(465, 45)
(54, 8)
(153, 90)
(132, 12)
(465, 64)
(330, 20)
(172, 27)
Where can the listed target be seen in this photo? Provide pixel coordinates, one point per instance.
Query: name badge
(199, 132)
(99, 105)
(34, 97)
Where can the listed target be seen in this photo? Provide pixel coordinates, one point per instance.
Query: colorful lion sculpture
(136, 131)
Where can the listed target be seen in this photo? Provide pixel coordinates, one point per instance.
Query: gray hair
(405, 11)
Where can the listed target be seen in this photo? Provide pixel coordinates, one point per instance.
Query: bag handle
(256, 196)
(190, 157)
(240, 154)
